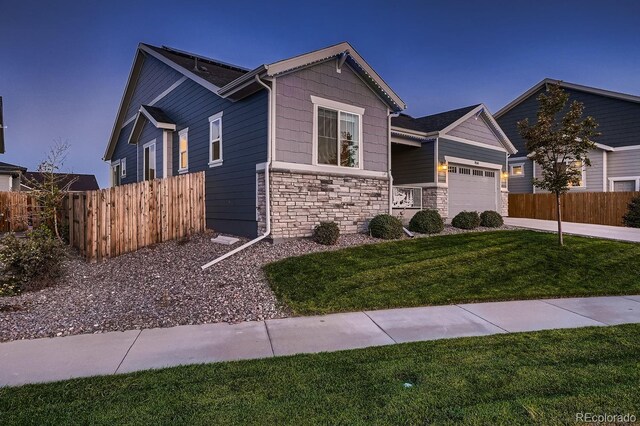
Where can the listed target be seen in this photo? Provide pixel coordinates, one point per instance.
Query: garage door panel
(472, 189)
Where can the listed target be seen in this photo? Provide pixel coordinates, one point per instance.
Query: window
(578, 165)
(123, 167)
(477, 172)
(517, 170)
(338, 137)
(215, 140)
(183, 150)
(464, 171)
(453, 169)
(149, 161)
(487, 173)
(116, 173)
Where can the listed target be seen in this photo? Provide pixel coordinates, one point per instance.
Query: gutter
(267, 169)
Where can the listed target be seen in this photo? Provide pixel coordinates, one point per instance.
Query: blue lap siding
(230, 187)
(410, 164)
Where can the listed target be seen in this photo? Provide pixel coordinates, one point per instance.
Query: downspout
(267, 191)
(390, 115)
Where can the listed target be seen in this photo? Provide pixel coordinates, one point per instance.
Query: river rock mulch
(158, 286)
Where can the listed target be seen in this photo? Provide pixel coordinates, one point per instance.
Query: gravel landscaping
(159, 286)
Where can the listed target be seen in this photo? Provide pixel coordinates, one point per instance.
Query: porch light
(442, 166)
(505, 175)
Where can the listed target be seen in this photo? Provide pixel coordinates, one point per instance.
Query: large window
(338, 137)
(149, 160)
(215, 140)
(517, 170)
(577, 165)
(183, 150)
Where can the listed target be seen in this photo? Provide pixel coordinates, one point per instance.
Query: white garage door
(472, 189)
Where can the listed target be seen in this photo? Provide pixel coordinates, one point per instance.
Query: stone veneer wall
(436, 198)
(261, 203)
(300, 201)
(504, 203)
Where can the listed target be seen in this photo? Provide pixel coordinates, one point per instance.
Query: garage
(472, 189)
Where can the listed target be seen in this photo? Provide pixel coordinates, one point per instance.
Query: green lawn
(483, 266)
(528, 378)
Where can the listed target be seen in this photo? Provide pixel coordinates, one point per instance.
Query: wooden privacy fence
(601, 208)
(110, 222)
(18, 210)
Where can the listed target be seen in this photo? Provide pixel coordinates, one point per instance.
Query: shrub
(29, 263)
(386, 227)
(632, 218)
(426, 222)
(466, 220)
(491, 219)
(326, 233)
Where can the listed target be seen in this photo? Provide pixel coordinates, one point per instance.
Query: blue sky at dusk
(63, 65)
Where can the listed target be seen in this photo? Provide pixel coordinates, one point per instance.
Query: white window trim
(113, 165)
(123, 168)
(511, 166)
(338, 107)
(623, 178)
(155, 159)
(475, 163)
(218, 162)
(182, 132)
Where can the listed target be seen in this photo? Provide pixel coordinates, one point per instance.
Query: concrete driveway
(584, 229)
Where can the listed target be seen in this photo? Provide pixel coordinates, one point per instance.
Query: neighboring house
(452, 161)
(79, 182)
(615, 163)
(305, 139)
(10, 176)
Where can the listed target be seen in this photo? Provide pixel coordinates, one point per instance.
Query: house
(76, 182)
(284, 145)
(451, 161)
(10, 176)
(615, 163)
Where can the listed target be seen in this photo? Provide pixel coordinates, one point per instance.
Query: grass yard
(527, 378)
(483, 266)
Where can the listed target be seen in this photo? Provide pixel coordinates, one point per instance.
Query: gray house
(615, 163)
(312, 129)
(451, 161)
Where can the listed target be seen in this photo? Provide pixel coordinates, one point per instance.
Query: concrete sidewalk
(43, 360)
(584, 229)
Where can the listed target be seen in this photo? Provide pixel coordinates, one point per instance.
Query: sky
(64, 64)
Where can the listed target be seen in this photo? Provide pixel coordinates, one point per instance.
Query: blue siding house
(283, 146)
(615, 163)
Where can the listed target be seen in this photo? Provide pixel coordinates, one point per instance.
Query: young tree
(53, 187)
(559, 143)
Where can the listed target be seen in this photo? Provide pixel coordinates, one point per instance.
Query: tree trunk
(559, 215)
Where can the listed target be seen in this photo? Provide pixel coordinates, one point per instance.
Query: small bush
(386, 227)
(466, 220)
(491, 219)
(326, 233)
(632, 218)
(426, 222)
(29, 263)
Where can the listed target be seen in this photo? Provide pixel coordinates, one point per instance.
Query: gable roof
(11, 168)
(431, 123)
(83, 182)
(235, 82)
(441, 123)
(1, 129)
(566, 85)
(155, 115)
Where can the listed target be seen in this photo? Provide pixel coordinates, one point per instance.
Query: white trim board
(344, 171)
(475, 163)
(474, 143)
(624, 178)
(157, 98)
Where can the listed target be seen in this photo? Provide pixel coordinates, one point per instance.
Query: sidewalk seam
(628, 298)
(378, 325)
(484, 319)
(266, 327)
(569, 310)
(127, 353)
